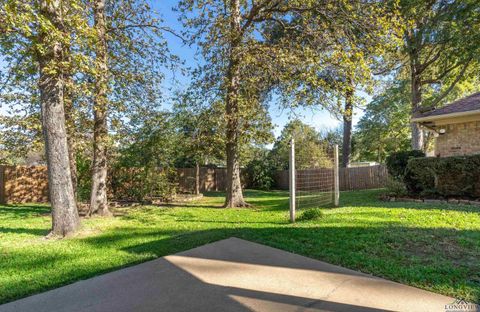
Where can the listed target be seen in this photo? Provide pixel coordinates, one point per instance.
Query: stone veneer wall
(460, 139)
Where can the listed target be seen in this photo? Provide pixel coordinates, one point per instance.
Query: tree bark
(65, 219)
(70, 114)
(70, 124)
(417, 132)
(234, 197)
(98, 199)
(347, 129)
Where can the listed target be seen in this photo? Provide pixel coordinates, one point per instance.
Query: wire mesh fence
(315, 182)
(314, 188)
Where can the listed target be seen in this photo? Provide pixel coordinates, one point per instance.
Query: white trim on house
(444, 116)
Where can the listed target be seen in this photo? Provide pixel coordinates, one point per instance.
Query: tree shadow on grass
(190, 205)
(214, 194)
(9, 212)
(265, 200)
(37, 232)
(194, 220)
(23, 211)
(249, 193)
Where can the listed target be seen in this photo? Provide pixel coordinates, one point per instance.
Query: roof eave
(445, 116)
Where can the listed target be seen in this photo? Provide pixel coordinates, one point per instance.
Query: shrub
(84, 178)
(444, 177)
(395, 188)
(397, 162)
(162, 184)
(311, 214)
(260, 174)
(142, 184)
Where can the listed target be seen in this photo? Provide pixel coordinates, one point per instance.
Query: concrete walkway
(233, 275)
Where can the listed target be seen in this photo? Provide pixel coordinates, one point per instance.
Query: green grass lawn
(434, 247)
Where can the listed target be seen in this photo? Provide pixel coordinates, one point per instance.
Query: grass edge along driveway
(430, 246)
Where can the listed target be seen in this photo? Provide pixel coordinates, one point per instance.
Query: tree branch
(452, 85)
(156, 27)
(445, 73)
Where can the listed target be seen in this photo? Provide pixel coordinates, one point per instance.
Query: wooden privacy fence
(22, 184)
(363, 178)
(29, 184)
(355, 178)
(211, 179)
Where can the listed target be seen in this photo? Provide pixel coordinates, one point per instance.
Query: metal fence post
(336, 178)
(3, 200)
(292, 180)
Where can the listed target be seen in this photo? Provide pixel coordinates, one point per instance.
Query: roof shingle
(470, 103)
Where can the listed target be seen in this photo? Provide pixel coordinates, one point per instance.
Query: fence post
(336, 178)
(2, 185)
(291, 180)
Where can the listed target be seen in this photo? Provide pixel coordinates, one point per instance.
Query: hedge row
(397, 162)
(444, 177)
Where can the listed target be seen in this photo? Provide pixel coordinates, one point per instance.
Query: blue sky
(314, 117)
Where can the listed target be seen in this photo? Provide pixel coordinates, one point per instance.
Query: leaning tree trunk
(98, 199)
(234, 197)
(65, 219)
(347, 129)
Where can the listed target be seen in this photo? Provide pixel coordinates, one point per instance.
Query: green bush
(136, 183)
(260, 174)
(397, 162)
(311, 214)
(444, 177)
(141, 184)
(395, 188)
(84, 178)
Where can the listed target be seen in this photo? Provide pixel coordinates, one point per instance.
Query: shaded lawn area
(430, 246)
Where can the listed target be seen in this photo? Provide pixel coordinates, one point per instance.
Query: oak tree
(41, 32)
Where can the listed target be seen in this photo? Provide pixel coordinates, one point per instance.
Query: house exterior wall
(460, 139)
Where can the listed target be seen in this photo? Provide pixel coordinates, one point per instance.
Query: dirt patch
(446, 247)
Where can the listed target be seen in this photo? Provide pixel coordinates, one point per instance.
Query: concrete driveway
(233, 275)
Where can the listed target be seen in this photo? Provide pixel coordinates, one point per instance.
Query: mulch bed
(454, 201)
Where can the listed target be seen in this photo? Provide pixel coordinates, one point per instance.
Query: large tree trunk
(70, 124)
(416, 69)
(70, 115)
(65, 219)
(234, 197)
(347, 129)
(98, 199)
(417, 132)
